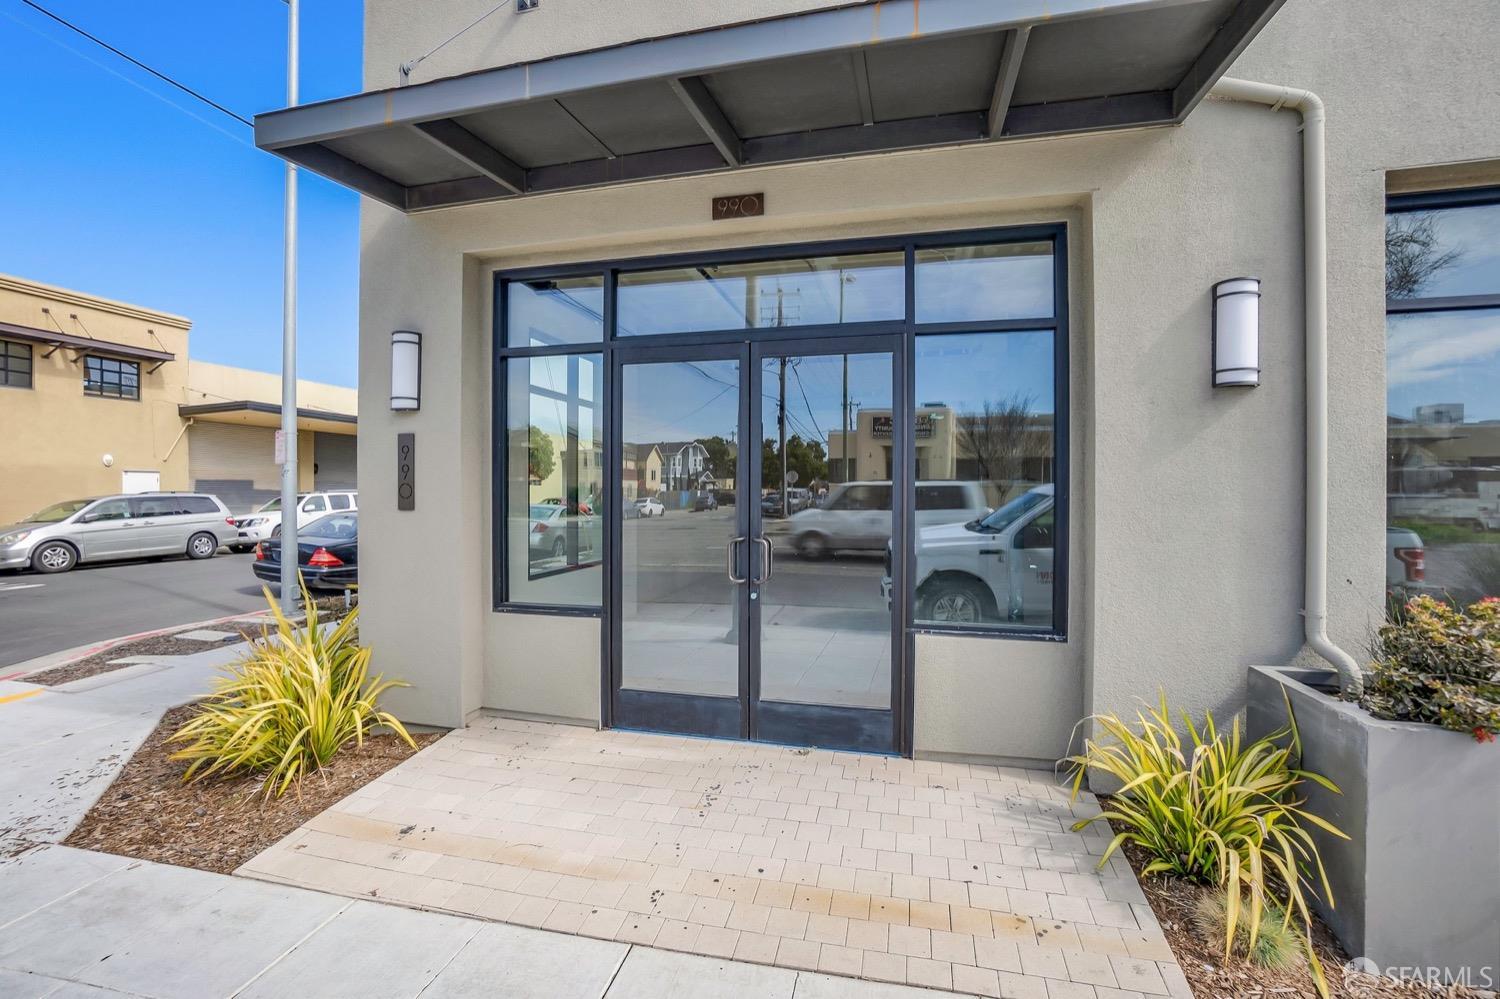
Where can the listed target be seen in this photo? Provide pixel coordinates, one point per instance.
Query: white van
(856, 516)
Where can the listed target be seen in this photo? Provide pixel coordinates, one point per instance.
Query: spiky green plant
(298, 696)
(1222, 811)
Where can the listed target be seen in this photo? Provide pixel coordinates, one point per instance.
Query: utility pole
(289, 587)
(781, 408)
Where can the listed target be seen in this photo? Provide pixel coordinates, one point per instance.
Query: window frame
(101, 360)
(1055, 233)
(6, 357)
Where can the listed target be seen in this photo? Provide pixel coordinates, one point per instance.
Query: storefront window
(1443, 399)
(804, 291)
(554, 526)
(958, 284)
(552, 311)
(985, 511)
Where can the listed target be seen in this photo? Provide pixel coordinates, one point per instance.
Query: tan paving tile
(923, 872)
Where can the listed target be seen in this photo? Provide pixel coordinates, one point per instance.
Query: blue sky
(113, 191)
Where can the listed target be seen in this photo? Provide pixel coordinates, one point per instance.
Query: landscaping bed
(216, 825)
(106, 661)
(1174, 901)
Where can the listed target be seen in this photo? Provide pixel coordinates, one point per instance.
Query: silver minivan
(142, 525)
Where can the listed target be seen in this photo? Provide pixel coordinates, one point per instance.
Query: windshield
(544, 511)
(1013, 511)
(272, 505)
(337, 526)
(58, 511)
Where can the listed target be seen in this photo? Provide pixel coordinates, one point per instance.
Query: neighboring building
(98, 397)
(832, 211)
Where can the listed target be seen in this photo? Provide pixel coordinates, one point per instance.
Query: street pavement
(42, 614)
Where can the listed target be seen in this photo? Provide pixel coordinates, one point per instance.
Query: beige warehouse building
(99, 397)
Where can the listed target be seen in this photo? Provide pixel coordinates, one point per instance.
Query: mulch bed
(104, 662)
(1212, 977)
(217, 825)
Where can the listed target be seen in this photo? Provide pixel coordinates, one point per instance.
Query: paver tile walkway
(951, 876)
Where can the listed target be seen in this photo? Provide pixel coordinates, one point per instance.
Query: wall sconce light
(1236, 332)
(406, 370)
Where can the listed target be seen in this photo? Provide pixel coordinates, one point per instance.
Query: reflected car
(856, 516)
(1405, 562)
(548, 531)
(705, 501)
(327, 553)
(101, 529)
(650, 506)
(993, 569)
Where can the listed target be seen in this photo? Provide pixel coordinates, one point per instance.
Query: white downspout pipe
(1315, 293)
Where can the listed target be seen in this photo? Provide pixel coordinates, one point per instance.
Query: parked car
(142, 525)
(705, 501)
(650, 506)
(994, 568)
(547, 533)
(327, 553)
(265, 522)
(724, 496)
(1405, 561)
(856, 516)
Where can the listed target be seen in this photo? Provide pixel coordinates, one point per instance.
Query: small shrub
(1277, 945)
(297, 697)
(1439, 664)
(1221, 812)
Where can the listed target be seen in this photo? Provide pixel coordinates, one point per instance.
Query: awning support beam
(861, 67)
(710, 117)
(320, 159)
(1012, 49)
(473, 151)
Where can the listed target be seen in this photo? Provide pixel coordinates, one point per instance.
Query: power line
(136, 62)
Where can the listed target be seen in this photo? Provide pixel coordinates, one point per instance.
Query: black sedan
(327, 553)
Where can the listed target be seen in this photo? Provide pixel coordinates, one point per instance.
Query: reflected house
(685, 465)
(640, 471)
(1006, 448)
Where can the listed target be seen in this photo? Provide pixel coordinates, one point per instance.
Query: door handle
(729, 561)
(769, 563)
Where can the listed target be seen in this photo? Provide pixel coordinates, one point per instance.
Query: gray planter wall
(1417, 887)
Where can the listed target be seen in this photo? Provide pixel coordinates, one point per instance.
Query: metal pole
(289, 587)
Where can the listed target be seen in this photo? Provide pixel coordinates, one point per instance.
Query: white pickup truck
(995, 568)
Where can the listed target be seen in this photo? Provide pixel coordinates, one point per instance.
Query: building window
(986, 436)
(554, 311)
(15, 364)
(109, 377)
(1442, 401)
(554, 523)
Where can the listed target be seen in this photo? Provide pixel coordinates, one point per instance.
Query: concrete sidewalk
(60, 747)
(77, 924)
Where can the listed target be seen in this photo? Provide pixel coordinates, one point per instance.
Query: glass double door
(752, 550)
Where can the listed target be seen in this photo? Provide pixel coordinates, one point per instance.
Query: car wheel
(54, 556)
(202, 545)
(559, 548)
(953, 601)
(812, 546)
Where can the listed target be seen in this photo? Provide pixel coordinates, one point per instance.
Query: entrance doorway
(747, 597)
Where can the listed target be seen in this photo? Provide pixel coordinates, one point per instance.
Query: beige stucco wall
(53, 438)
(1187, 526)
(221, 383)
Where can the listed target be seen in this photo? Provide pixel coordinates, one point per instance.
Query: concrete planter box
(1417, 887)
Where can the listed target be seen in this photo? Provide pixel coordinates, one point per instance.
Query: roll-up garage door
(334, 461)
(237, 464)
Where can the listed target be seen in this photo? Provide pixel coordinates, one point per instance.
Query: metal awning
(864, 78)
(82, 346)
(252, 413)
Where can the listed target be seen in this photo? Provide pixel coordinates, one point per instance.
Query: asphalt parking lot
(41, 614)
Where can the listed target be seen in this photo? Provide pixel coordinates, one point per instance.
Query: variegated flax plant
(1216, 809)
(298, 696)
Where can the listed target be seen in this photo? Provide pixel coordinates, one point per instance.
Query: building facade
(681, 226)
(100, 397)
